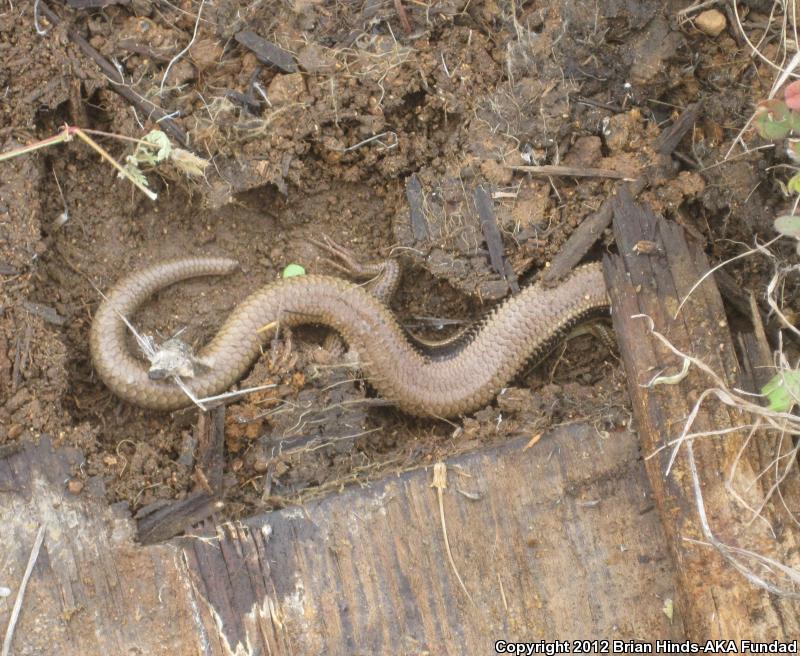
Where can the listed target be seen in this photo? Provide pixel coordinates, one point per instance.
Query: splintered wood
(557, 540)
(717, 474)
(560, 540)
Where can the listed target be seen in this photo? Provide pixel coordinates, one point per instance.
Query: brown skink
(519, 329)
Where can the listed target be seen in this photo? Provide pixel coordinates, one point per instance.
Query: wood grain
(719, 602)
(558, 541)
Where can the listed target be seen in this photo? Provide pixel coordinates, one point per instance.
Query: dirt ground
(371, 101)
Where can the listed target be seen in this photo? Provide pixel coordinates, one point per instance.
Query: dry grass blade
(12, 620)
(440, 483)
(769, 565)
(572, 172)
(763, 571)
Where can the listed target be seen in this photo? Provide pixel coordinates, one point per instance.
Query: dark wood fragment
(213, 585)
(764, 6)
(491, 233)
(403, 16)
(168, 520)
(159, 521)
(669, 139)
(585, 235)
(46, 312)
(615, 109)
(188, 449)
(511, 276)
(118, 84)
(210, 432)
(267, 52)
(419, 224)
(244, 100)
(547, 171)
(733, 293)
(593, 225)
(22, 349)
(757, 351)
(718, 601)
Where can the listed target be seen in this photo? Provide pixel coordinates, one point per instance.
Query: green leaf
(794, 184)
(151, 156)
(160, 139)
(133, 171)
(783, 390)
(773, 119)
(788, 224)
(293, 270)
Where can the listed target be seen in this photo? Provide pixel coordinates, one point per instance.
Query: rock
(532, 203)
(711, 22)
(75, 486)
(286, 88)
(622, 132)
(18, 400)
(181, 73)
(653, 48)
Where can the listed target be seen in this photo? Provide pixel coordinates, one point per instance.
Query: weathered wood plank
(560, 540)
(92, 590)
(718, 601)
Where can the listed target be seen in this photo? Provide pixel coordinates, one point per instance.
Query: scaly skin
(521, 328)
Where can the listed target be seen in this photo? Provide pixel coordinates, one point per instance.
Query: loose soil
(454, 93)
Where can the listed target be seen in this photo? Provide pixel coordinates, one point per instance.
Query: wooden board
(560, 540)
(92, 591)
(655, 271)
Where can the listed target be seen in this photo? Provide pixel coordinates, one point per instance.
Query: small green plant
(780, 119)
(789, 226)
(153, 149)
(783, 390)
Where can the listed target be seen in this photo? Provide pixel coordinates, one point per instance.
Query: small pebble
(711, 22)
(75, 486)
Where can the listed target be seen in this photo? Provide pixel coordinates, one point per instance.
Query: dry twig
(12, 620)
